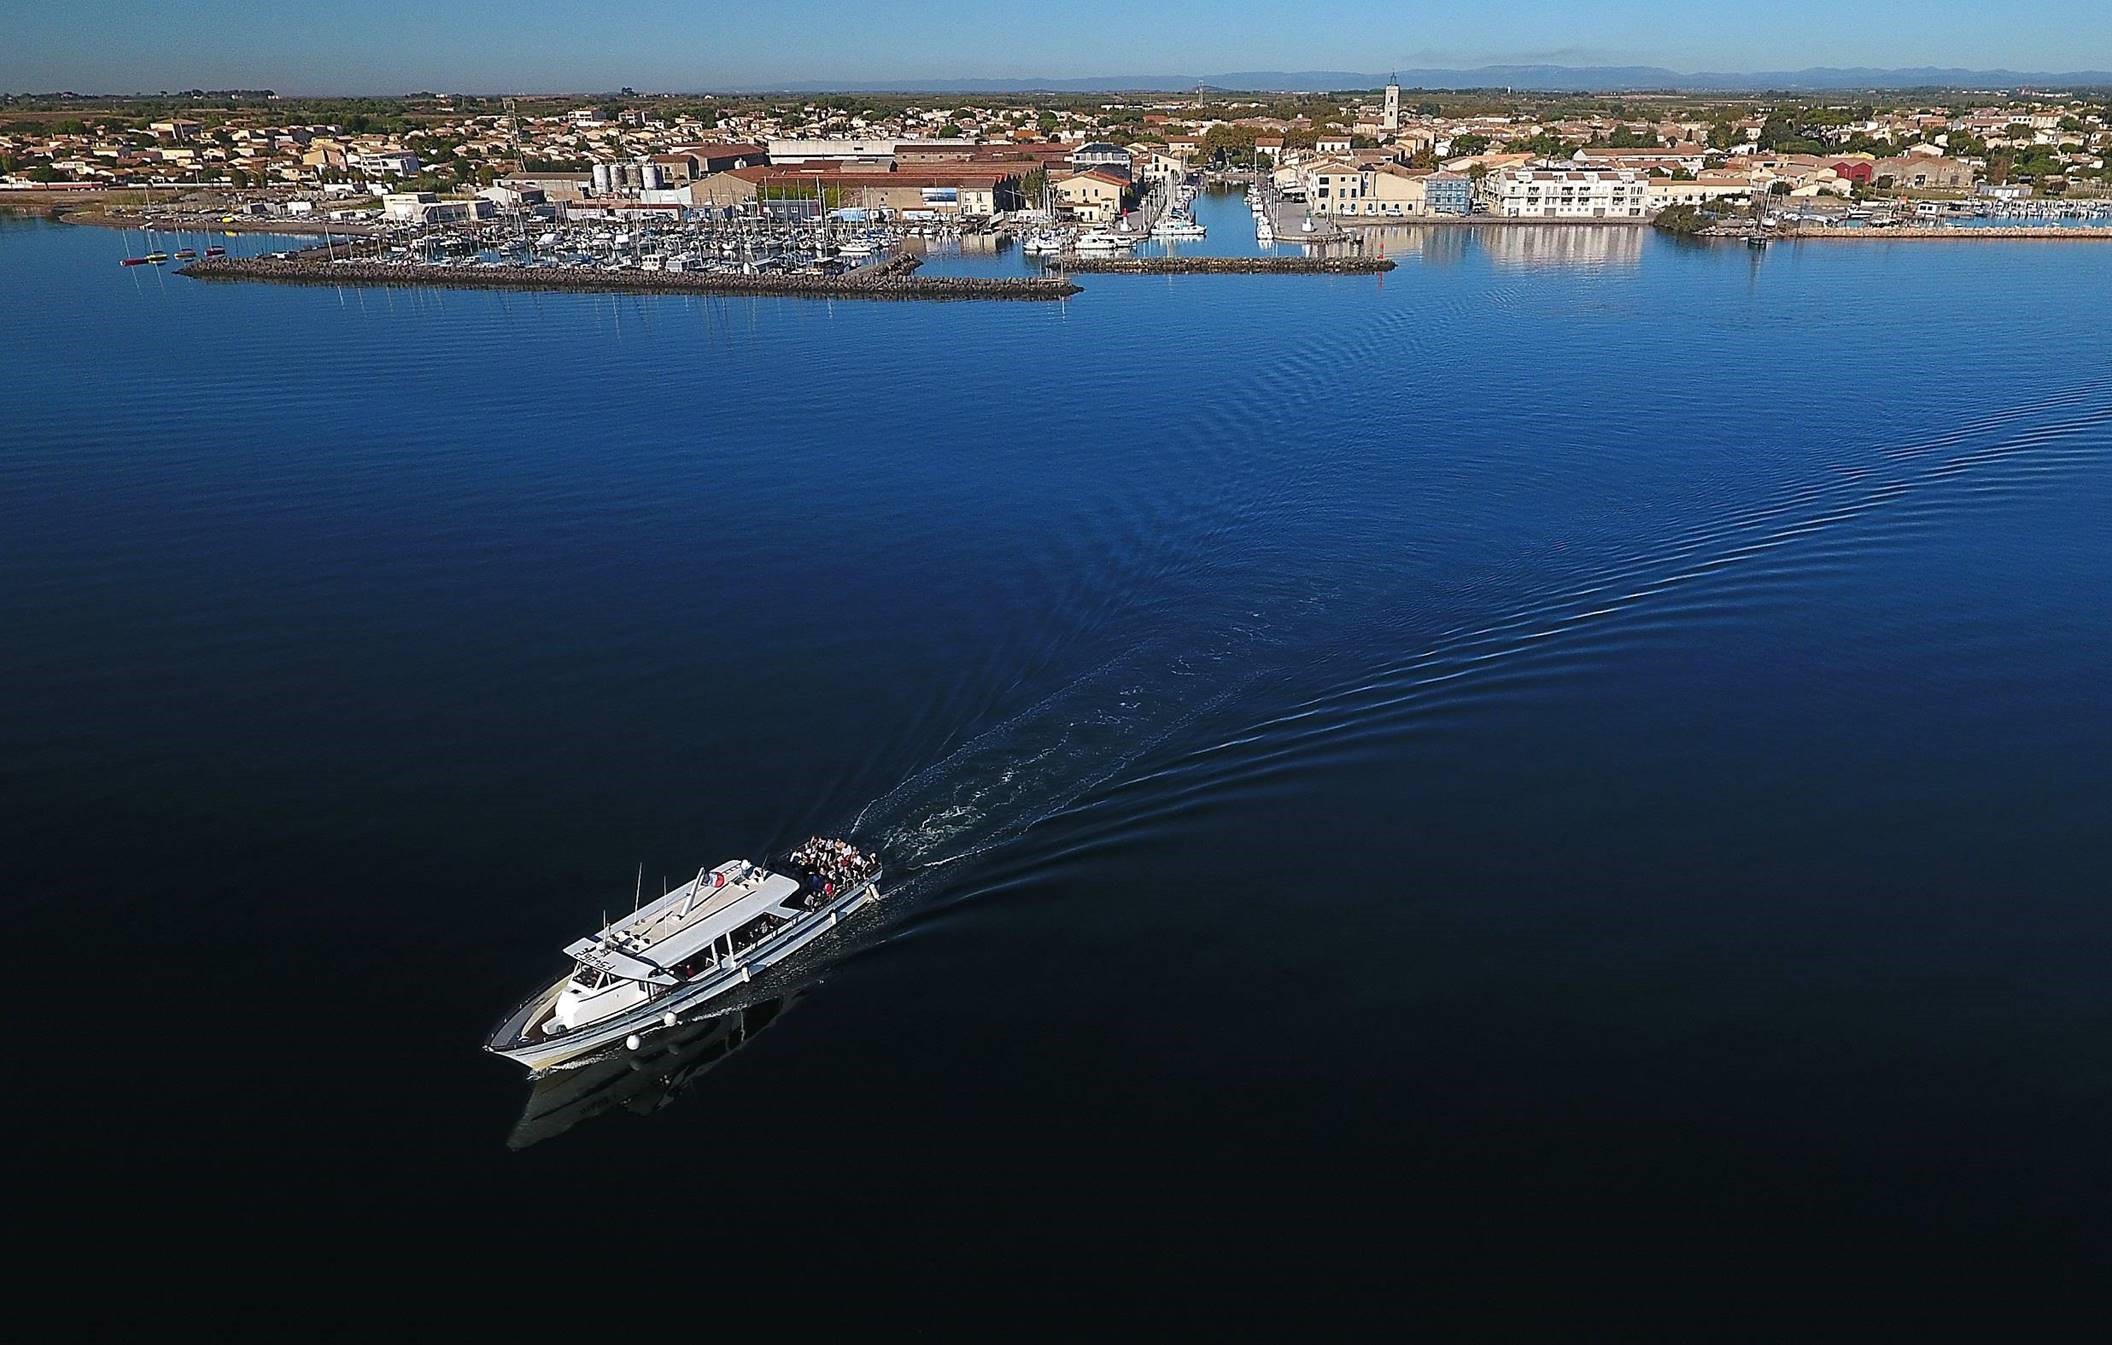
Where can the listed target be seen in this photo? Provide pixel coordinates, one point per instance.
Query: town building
(1520, 192)
(1662, 193)
(1448, 193)
(1100, 154)
(385, 163)
(424, 207)
(1095, 196)
(1346, 189)
(1923, 172)
(951, 191)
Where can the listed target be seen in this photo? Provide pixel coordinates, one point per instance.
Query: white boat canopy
(681, 924)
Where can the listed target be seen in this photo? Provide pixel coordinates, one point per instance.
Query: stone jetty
(1228, 266)
(892, 279)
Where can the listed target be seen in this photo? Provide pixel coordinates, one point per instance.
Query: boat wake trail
(2067, 429)
(1083, 737)
(1042, 760)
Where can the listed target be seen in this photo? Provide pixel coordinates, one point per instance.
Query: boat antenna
(638, 892)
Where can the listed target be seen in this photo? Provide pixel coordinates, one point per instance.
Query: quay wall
(1176, 266)
(886, 281)
(1993, 233)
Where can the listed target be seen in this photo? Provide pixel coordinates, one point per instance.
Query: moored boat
(1102, 240)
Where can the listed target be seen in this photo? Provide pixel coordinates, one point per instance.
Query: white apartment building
(386, 163)
(1523, 192)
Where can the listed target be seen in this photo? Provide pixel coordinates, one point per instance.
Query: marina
(894, 279)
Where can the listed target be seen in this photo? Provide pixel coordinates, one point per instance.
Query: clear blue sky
(387, 46)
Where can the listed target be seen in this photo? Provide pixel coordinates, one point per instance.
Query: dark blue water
(1571, 773)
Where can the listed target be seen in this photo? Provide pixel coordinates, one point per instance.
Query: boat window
(587, 978)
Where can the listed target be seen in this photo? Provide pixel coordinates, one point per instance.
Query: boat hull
(683, 1003)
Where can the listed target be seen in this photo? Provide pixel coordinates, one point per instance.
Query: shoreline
(94, 217)
(2081, 233)
(1820, 233)
(1476, 222)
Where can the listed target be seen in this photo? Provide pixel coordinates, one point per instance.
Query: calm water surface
(1580, 762)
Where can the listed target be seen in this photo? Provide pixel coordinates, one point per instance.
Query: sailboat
(1048, 239)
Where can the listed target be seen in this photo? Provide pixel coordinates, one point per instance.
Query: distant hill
(1537, 78)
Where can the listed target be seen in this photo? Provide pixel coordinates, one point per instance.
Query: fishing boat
(216, 251)
(1042, 241)
(682, 956)
(156, 258)
(1174, 224)
(185, 254)
(133, 261)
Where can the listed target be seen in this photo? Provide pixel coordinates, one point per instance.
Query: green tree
(1683, 219)
(1544, 145)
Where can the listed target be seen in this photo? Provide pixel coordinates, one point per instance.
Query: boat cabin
(700, 926)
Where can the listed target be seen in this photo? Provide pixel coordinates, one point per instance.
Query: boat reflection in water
(640, 1081)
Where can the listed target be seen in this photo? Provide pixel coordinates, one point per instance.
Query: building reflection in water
(641, 1081)
(1437, 244)
(1520, 245)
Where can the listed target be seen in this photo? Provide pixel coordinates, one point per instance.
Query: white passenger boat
(678, 958)
(1176, 225)
(1042, 241)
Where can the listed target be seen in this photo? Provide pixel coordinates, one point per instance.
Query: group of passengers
(836, 863)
